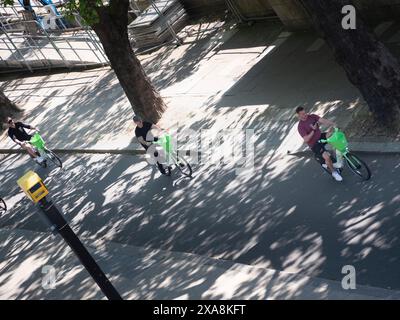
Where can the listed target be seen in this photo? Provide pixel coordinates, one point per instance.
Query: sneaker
(337, 176)
(325, 166)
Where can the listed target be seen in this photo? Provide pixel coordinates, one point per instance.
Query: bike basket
(37, 141)
(338, 141)
(165, 142)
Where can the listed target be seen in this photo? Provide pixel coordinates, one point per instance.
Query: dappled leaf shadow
(283, 214)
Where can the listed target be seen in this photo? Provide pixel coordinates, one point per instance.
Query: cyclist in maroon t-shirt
(308, 128)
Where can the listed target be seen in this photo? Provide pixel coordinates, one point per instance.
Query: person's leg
(324, 156)
(327, 157)
(159, 165)
(324, 136)
(339, 159)
(318, 149)
(29, 149)
(328, 161)
(161, 168)
(155, 153)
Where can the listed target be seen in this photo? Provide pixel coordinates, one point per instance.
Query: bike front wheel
(358, 167)
(54, 158)
(184, 166)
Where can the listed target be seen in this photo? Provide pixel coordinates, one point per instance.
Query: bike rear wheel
(184, 166)
(358, 167)
(3, 206)
(54, 158)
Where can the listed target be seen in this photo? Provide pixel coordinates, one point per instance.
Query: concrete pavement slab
(32, 260)
(262, 71)
(284, 214)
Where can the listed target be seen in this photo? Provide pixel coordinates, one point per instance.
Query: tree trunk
(112, 31)
(369, 65)
(7, 108)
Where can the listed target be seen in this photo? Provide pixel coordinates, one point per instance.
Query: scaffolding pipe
(19, 45)
(34, 52)
(15, 47)
(89, 33)
(54, 46)
(9, 49)
(69, 44)
(96, 44)
(171, 30)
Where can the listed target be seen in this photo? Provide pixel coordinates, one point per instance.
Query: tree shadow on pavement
(170, 65)
(80, 111)
(282, 214)
(286, 216)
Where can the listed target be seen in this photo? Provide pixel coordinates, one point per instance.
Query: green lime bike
(40, 147)
(339, 142)
(3, 206)
(172, 157)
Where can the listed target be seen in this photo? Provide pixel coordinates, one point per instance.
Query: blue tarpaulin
(27, 6)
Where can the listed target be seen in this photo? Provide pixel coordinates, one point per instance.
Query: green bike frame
(172, 156)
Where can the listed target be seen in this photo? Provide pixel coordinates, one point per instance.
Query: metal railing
(26, 45)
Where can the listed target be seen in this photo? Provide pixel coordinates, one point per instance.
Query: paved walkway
(284, 215)
(229, 78)
(250, 77)
(30, 259)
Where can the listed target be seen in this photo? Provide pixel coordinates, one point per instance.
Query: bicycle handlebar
(336, 129)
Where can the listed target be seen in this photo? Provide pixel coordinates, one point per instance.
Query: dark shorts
(319, 148)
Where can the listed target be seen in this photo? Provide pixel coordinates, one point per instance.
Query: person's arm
(160, 131)
(308, 137)
(154, 126)
(305, 134)
(142, 141)
(28, 126)
(24, 125)
(20, 143)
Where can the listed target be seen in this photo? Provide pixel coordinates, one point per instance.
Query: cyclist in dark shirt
(17, 133)
(142, 131)
(144, 137)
